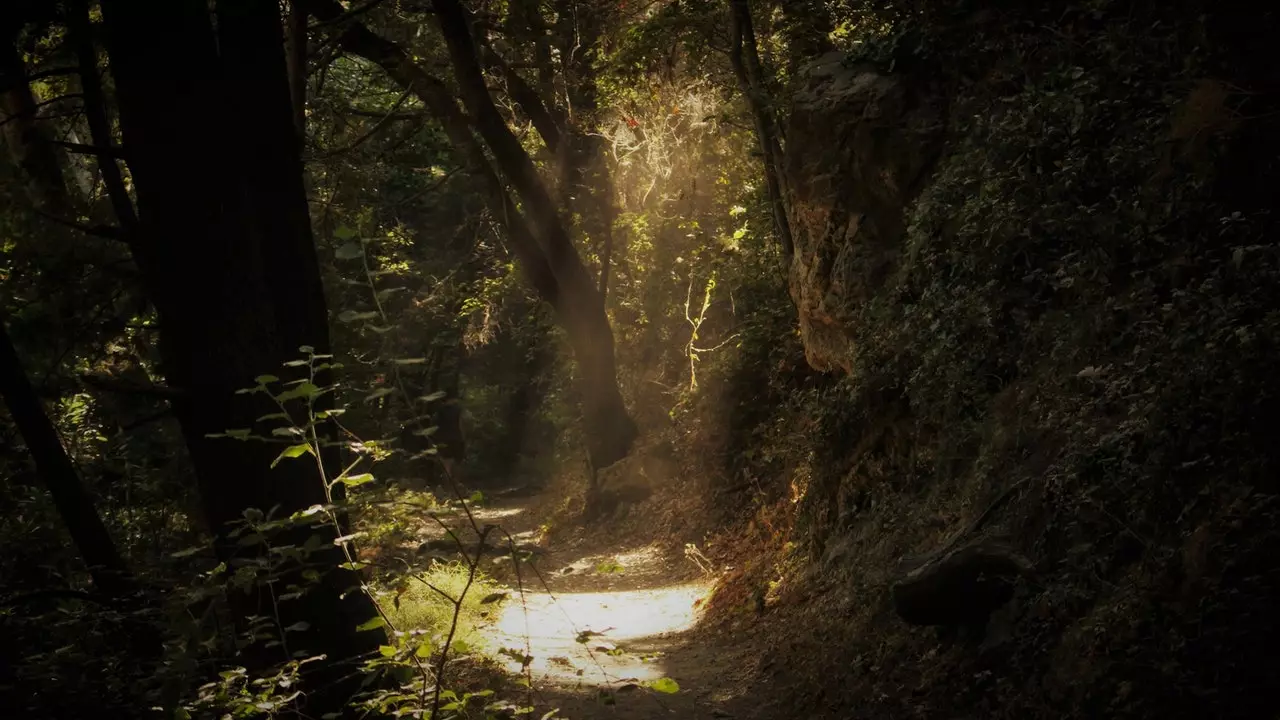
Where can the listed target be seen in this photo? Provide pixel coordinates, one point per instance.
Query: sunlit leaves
(371, 624)
(664, 685)
(355, 480)
(292, 451)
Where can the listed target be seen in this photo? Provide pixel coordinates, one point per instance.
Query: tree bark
(59, 475)
(610, 431)
(296, 47)
(225, 249)
(745, 58)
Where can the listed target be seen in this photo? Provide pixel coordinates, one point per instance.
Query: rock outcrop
(860, 143)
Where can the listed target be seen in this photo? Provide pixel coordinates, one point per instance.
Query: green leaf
(410, 361)
(432, 397)
(383, 330)
(264, 379)
(353, 566)
(239, 433)
(387, 650)
(344, 232)
(292, 451)
(287, 432)
(356, 480)
(188, 552)
(300, 626)
(272, 416)
(372, 624)
(423, 650)
(665, 685)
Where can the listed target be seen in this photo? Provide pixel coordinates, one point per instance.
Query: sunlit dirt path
(605, 626)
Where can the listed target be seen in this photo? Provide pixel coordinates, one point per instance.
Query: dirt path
(603, 623)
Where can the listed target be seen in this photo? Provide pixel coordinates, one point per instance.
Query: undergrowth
(426, 604)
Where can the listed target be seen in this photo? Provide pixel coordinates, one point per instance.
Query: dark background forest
(931, 344)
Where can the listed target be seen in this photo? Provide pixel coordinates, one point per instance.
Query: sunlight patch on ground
(485, 513)
(626, 623)
(645, 561)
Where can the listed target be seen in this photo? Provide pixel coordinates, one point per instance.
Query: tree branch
(527, 98)
(100, 151)
(106, 232)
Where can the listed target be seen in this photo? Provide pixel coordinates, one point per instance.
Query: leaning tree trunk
(59, 475)
(609, 430)
(95, 112)
(225, 250)
(28, 145)
(543, 251)
(745, 58)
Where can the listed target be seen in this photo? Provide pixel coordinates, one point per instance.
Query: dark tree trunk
(59, 475)
(610, 431)
(28, 145)
(526, 399)
(79, 28)
(296, 45)
(744, 55)
(226, 253)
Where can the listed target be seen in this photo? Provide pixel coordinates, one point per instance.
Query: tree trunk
(225, 250)
(79, 29)
(28, 145)
(59, 475)
(610, 431)
(745, 58)
(545, 253)
(296, 47)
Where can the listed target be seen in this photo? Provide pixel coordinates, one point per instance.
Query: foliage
(427, 605)
(1081, 320)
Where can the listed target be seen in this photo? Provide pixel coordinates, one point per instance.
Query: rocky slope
(1040, 248)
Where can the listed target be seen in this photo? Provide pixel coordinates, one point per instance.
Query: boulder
(958, 586)
(860, 144)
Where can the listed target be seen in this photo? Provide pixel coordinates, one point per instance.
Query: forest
(754, 359)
